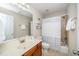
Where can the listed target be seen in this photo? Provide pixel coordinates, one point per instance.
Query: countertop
(13, 47)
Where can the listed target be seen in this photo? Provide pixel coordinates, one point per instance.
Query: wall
(58, 13)
(72, 12)
(36, 15)
(77, 26)
(18, 19)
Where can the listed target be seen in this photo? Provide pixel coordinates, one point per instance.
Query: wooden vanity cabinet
(35, 51)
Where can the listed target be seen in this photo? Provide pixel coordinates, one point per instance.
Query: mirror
(2, 37)
(7, 22)
(16, 21)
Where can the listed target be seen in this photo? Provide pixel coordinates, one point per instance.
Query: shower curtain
(51, 32)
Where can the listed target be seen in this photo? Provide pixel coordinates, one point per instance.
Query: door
(51, 28)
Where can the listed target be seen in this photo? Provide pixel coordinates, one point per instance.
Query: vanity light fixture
(20, 5)
(23, 5)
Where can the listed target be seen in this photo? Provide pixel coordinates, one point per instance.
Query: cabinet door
(37, 52)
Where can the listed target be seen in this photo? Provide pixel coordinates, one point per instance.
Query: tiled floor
(53, 53)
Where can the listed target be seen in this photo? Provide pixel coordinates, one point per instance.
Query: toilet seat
(45, 45)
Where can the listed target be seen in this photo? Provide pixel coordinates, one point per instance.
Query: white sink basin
(25, 45)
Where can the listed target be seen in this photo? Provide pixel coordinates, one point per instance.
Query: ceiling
(15, 8)
(48, 8)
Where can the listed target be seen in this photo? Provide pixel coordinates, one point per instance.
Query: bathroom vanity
(14, 48)
(34, 51)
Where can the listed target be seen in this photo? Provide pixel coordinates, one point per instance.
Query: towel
(73, 24)
(70, 24)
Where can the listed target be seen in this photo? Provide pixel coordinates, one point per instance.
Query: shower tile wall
(63, 30)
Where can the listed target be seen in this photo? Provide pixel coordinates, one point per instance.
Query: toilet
(45, 46)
